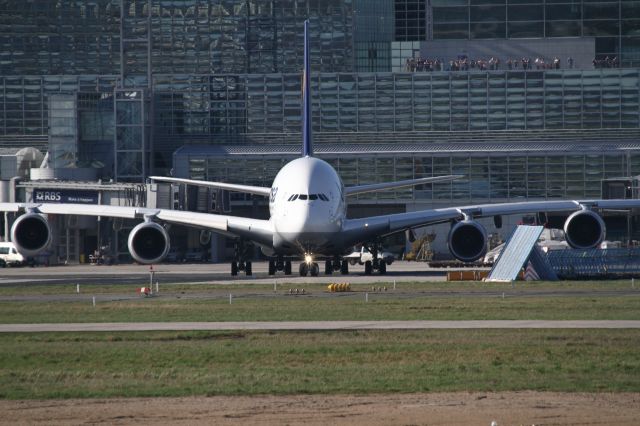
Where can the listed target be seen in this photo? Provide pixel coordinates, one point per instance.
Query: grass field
(411, 301)
(251, 288)
(64, 365)
(294, 308)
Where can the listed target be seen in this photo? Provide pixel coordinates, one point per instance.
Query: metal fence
(595, 263)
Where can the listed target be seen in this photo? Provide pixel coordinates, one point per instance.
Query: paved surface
(314, 325)
(132, 277)
(203, 273)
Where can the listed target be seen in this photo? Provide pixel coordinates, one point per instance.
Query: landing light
(308, 258)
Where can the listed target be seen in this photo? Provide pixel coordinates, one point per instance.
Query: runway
(197, 273)
(316, 325)
(131, 277)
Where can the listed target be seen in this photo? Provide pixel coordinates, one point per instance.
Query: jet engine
(467, 240)
(31, 234)
(584, 229)
(148, 242)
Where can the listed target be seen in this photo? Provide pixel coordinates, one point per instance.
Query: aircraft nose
(307, 217)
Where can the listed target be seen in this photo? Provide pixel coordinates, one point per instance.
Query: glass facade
(265, 108)
(372, 34)
(187, 36)
(148, 76)
(411, 22)
(615, 24)
(488, 177)
(24, 100)
(231, 105)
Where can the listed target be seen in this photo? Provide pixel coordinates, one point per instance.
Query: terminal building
(113, 91)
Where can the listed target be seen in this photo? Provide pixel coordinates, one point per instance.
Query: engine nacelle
(148, 243)
(584, 229)
(31, 234)
(467, 241)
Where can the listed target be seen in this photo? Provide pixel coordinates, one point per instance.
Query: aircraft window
(323, 197)
(302, 196)
(313, 196)
(293, 197)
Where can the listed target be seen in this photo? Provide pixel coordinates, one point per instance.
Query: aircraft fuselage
(308, 209)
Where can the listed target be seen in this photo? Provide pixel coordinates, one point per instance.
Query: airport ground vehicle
(366, 258)
(364, 255)
(10, 255)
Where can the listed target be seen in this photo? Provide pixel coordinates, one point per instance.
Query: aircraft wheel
(247, 268)
(304, 269)
(287, 267)
(382, 268)
(368, 267)
(272, 267)
(314, 269)
(344, 267)
(234, 268)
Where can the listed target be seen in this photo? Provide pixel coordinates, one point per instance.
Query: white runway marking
(317, 325)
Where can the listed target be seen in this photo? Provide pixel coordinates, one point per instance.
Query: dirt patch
(507, 408)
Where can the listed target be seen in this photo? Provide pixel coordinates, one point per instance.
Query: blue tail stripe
(307, 143)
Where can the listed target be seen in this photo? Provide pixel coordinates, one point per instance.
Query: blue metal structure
(518, 250)
(595, 263)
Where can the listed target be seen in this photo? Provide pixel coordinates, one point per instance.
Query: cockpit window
(311, 197)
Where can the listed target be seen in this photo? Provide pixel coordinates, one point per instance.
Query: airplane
(308, 220)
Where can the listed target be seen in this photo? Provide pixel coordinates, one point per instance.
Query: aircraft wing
(257, 190)
(354, 190)
(255, 229)
(366, 228)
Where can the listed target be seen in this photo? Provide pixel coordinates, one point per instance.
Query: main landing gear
(335, 265)
(241, 257)
(279, 264)
(375, 264)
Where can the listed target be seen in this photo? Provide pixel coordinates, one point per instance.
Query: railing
(595, 263)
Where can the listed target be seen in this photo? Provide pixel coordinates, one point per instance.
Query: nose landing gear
(309, 267)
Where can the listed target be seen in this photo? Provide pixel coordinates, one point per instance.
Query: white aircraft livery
(307, 205)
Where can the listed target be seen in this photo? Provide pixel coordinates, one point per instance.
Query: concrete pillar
(4, 191)
(6, 227)
(12, 189)
(215, 254)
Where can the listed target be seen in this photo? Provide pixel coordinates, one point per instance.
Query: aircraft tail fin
(307, 143)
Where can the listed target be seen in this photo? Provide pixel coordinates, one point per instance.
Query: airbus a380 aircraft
(307, 203)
